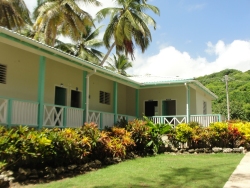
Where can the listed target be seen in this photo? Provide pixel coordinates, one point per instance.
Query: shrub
(156, 131)
(140, 135)
(115, 143)
(244, 130)
(21, 147)
(183, 132)
(219, 134)
(147, 135)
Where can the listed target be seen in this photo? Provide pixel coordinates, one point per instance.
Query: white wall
(131, 101)
(22, 73)
(57, 74)
(177, 93)
(200, 98)
(97, 84)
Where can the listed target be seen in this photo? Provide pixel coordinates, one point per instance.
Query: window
(204, 107)
(104, 97)
(3, 69)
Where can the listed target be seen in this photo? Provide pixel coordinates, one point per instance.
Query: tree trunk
(106, 56)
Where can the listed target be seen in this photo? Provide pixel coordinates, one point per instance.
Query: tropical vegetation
(119, 65)
(27, 147)
(64, 17)
(14, 14)
(128, 26)
(238, 91)
(86, 46)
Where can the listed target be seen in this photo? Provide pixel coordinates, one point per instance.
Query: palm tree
(120, 65)
(64, 17)
(128, 26)
(85, 47)
(14, 14)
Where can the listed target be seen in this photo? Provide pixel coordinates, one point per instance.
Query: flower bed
(27, 148)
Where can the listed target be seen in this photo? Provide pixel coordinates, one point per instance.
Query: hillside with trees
(238, 89)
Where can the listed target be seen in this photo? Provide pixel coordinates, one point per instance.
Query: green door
(164, 108)
(60, 96)
(60, 99)
(169, 108)
(75, 99)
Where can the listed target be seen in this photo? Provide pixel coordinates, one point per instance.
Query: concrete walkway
(240, 178)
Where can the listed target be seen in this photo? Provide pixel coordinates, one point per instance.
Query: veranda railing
(22, 112)
(18, 112)
(204, 120)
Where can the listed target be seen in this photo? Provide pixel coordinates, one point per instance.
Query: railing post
(84, 95)
(187, 102)
(137, 102)
(219, 117)
(9, 113)
(101, 121)
(115, 102)
(65, 117)
(41, 85)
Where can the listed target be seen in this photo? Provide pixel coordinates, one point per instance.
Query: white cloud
(217, 49)
(171, 62)
(30, 4)
(195, 7)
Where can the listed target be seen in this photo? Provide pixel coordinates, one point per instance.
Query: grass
(172, 171)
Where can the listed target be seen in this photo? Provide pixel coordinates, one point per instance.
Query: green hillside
(239, 92)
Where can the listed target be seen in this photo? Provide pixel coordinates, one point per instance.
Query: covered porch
(15, 112)
(21, 112)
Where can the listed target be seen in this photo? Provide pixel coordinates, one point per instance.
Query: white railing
(120, 117)
(53, 115)
(131, 118)
(3, 110)
(205, 120)
(24, 113)
(107, 120)
(126, 117)
(74, 117)
(173, 120)
(94, 117)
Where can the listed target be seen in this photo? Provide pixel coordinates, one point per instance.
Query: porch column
(84, 94)
(87, 100)
(137, 102)
(187, 102)
(115, 102)
(41, 84)
(87, 95)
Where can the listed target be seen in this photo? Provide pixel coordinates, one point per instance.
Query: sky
(193, 37)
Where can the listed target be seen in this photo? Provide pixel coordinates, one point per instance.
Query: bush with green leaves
(21, 146)
(156, 131)
(183, 132)
(27, 147)
(115, 143)
(140, 135)
(148, 135)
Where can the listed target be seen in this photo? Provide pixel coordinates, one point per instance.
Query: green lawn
(173, 171)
